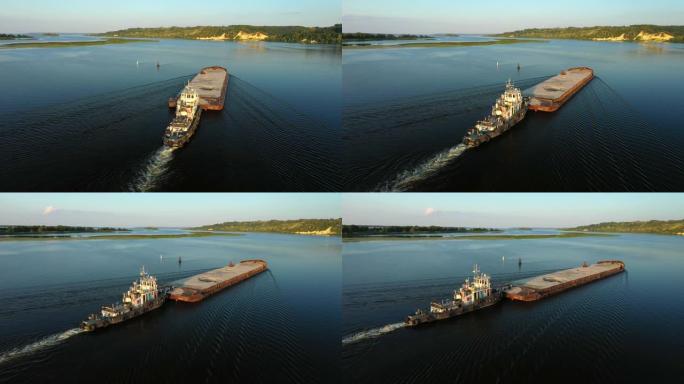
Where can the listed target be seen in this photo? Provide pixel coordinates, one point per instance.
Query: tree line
(589, 33)
(290, 34)
(12, 229)
(652, 226)
(367, 230)
(8, 36)
(360, 36)
(278, 226)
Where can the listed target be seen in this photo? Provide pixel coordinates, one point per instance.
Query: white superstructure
(143, 291)
(470, 293)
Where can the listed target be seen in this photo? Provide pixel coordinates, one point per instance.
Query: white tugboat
(187, 118)
(510, 108)
(472, 295)
(143, 296)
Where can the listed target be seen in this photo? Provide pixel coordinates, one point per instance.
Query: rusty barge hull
(550, 95)
(546, 285)
(211, 84)
(199, 287)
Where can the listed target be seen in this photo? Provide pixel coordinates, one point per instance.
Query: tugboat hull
(424, 318)
(472, 140)
(103, 322)
(179, 141)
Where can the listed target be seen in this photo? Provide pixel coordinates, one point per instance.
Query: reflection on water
(611, 136)
(261, 330)
(594, 333)
(92, 118)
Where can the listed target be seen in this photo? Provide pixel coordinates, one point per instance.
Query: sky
(496, 16)
(538, 210)
(161, 209)
(24, 16)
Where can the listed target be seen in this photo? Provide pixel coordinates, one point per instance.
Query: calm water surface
(406, 110)
(91, 118)
(600, 332)
(280, 326)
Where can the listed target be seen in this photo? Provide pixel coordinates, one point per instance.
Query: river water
(625, 328)
(92, 118)
(407, 109)
(261, 330)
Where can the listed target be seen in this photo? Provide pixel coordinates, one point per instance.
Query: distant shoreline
(246, 33)
(564, 235)
(440, 44)
(658, 227)
(308, 227)
(65, 44)
(360, 36)
(115, 237)
(631, 33)
(9, 36)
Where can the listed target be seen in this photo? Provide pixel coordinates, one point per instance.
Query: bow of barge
(211, 84)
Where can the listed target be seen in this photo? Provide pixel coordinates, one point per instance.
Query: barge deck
(545, 285)
(551, 94)
(199, 287)
(211, 84)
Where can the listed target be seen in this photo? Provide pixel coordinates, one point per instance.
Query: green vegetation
(670, 227)
(290, 34)
(359, 36)
(113, 237)
(631, 32)
(19, 229)
(443, 44)
(404, 231)
(474, 237)
(62, 44)
(50, 34)
(301, 226)
(6, 36)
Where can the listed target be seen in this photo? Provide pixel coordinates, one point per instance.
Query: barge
(472, 296)
(551, 94)
(199, 287)
(546, 285)
(143, 296)
(211, 84)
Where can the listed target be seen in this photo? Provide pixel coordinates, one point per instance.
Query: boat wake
(371, 333)
(153, 169)
(406, 179)
(47, 342)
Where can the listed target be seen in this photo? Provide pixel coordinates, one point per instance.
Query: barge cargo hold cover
(198, 287)
(551, 94)
(211, 84)
(545, 285)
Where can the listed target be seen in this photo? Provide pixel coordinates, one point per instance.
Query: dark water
(607, 331)
(91, 119)
(262, 330)
(406, 111)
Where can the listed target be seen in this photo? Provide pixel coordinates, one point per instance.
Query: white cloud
(429, 211)
(49, 210)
